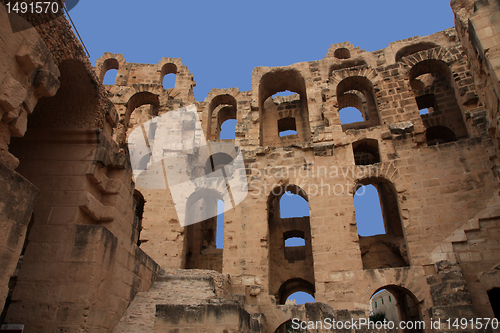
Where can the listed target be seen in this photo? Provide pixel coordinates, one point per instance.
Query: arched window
(431, 82)
(221, 109)
(226, 121)
(168, 76)
(110, 77)
(342, 53)
(293, 286)
(380, 230)
(357, 92)
(109, 71)
(284, 114)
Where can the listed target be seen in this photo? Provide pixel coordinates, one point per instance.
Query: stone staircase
(179, 287)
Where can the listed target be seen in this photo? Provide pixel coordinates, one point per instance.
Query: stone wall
(75, 256)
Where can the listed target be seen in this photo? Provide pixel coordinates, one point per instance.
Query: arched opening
(438, 135)
(342, 53)
(141, 107)
(494, 298)
(290, 246)
(284, 114)
(431, 82)
(226, 122)
(110, 77)
(357, 92)
(109, 70)
(221, 109)
(366, 152)
(381, 238)
(200, 245)
(396, 304)
(293, 286)
(168, 76)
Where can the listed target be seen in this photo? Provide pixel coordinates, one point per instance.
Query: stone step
(179, 287)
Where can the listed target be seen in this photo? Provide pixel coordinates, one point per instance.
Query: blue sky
(222, 41)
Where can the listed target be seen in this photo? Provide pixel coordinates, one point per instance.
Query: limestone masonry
(85, 249)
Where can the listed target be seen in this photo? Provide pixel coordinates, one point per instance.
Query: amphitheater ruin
(86, 248)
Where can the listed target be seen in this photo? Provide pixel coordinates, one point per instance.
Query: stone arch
(108, 61)
(292, 286)
(355, 87)
(342, 53)
(295, 264)
(221, 106)
(335, 49)
(168, 68)
(271, 83)
(407, 50)
(183, 87)
(137, 99)
(436, 53)
(437, 97)
(407, 304)
(346, 64)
